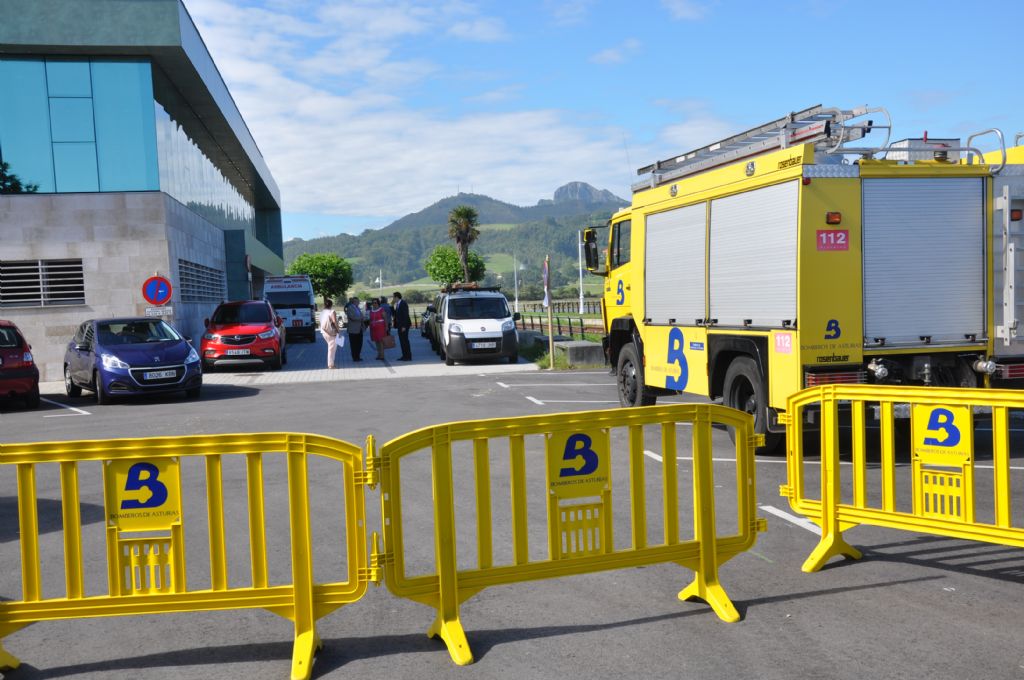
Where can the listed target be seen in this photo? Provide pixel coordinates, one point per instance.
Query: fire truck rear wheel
(630, 378)
(745, 391)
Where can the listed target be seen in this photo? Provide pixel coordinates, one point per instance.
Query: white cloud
(568, 12)
(484, 29)
(325, 96)
(697, 127)
(618, 54)
(686, 10)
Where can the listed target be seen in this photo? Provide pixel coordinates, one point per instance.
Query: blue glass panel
(71, 120)
(68, 78)
(187, 175)
(25, 121)
(75, 165)
(125, 126)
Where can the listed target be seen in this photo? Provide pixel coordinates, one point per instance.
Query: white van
(293, 300)
(476, 324)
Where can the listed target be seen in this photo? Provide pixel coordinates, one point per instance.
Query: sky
(368, 110)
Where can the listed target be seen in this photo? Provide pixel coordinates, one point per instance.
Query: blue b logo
(135, 482)
(678, 357)
(832, 330)
(578, 446)
(942, 420)
(622, 294)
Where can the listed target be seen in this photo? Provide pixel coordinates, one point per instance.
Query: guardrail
(943, 496)
(570, 326)
(577, 456)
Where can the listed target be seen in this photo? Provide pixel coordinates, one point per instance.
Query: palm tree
(462, 221)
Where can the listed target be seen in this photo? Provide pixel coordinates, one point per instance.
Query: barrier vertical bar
(447, 625)
(705, 585)
(215, 515)
(669, 462)
(257, 519)
(832, 542)
(858, 430)
(306, 639)
(28, 527)
(72, 529)
(520, 535)
(482, 468)
(1001, 464)
(638, 487)
(888, 429)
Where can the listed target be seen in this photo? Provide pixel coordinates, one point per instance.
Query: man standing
(403, 323)
(355, 326)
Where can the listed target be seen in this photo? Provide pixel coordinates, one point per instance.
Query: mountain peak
(584, 193)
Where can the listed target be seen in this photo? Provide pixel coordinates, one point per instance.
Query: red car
(244, 333)
(19, 376)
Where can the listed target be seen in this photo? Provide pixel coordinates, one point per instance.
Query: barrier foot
(307, 644)
(714, 595)
(454, 637)
(8, 662)
(830, 546)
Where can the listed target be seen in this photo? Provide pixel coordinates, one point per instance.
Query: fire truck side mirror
(590, 251)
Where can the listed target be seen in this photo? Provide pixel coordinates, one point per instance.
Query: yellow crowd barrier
(939, 456)
(148, 487)
(144, 504)
(576, 454)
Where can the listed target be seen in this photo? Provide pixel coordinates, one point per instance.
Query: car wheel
(192, 393)
(207, 366)
(275, 363)
(32, 398)
(745, 391)
(70, 387)
(514, 359)
(284, 355)
(630, 379)
(102, 398)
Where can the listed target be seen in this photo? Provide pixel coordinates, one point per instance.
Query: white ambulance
(293, 300)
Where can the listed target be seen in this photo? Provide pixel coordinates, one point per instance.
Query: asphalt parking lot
(915, 607)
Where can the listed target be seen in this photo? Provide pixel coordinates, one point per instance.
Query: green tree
(330, 274)
(444, 266)
(12, 184)
(462, 221)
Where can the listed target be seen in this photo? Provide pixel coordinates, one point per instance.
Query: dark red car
(244, 332)
(19, 376)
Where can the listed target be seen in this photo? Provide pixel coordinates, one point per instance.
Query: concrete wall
(122, 239)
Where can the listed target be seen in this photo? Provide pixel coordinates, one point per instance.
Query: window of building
(41, 283)
(200, 283)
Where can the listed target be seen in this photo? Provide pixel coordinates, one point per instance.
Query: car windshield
(477, 308)
(9, 338)
(135, 332)
(258, 313)
(290, 298)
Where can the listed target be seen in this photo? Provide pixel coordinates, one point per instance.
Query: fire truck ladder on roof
(818, 125)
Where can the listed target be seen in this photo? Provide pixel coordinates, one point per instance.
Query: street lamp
(515, 276)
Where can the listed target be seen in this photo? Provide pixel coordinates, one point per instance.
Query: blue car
(114, 357)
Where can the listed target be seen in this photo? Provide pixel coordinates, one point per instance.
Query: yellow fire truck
(794, 255)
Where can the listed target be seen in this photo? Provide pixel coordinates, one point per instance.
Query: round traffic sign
(157, 290)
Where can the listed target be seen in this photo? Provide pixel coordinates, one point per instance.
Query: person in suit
(402, 322)
(355, 326)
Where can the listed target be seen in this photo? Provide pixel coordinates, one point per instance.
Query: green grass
(499, 263)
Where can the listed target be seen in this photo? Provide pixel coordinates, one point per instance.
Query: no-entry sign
(157, 290)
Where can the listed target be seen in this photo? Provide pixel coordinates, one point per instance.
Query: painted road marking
(538, 402)
(793, 519)
(77, 411)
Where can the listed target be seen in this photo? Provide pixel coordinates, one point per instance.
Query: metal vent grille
(200, 283)
(41, 283)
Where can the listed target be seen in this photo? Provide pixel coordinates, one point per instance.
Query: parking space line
(793, 519)
(558, 385)
(77, 411)
(538, 402)
(578, 401)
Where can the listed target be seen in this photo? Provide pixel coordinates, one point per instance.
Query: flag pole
(547, 303)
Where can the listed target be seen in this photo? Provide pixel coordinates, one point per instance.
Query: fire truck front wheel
(630, 379)
(745, 391)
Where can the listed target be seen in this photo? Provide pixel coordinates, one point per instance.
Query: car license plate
(236, 352)
(157, 375)
(484, 345)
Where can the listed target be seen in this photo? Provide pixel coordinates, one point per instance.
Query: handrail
(1002, 147)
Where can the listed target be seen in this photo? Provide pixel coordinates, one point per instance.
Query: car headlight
(455, 328)
(508, 326)
(266, 335)
(192, 356)
(211, 336)
(111, 361)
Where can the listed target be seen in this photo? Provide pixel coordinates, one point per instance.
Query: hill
(530, 232)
